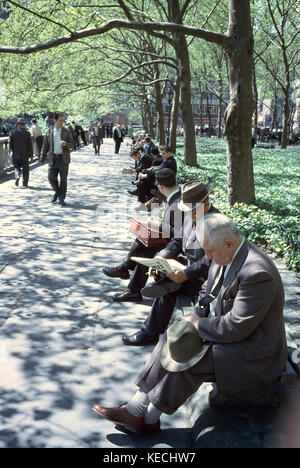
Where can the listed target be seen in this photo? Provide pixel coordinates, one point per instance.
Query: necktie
(192, 234)
(206, 300)
(162, 211)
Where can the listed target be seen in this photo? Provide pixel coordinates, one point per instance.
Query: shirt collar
(171, 195)
(235, 254)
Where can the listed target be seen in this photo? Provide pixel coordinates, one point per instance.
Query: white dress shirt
(57, 141)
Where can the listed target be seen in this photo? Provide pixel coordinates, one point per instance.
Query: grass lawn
(273, 220)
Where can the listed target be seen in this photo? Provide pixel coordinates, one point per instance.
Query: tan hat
(183, 347)
(192, 194)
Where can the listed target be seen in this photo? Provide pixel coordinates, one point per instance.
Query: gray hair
(217, 228)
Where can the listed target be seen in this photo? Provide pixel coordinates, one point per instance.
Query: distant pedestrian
(73, 133)
(58, 142)
(118, 138)
(37, 138)
(20, 144)
(97, 136)
(77, 131)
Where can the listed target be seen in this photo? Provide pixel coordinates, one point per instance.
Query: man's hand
(178, 277)
(64, 144)
(193, 318)
(154, 273)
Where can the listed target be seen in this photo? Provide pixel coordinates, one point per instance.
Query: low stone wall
(6, 164)
(5, 156)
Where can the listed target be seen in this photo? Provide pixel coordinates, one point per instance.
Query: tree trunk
(238, 120)
(184, 75)
(286, 116)
(220, 116)
(161, 116)
(255, 118)
(174, 119)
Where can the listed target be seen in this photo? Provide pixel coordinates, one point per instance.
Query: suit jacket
(20, 143)
(169, 164)
(194, 255)
(248, 333)
(144, 163)
(116, 136)
(171, 225)
(48, 145)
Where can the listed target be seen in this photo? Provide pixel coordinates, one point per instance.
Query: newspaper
(161, 264)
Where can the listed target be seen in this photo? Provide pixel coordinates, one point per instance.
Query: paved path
(60, 334)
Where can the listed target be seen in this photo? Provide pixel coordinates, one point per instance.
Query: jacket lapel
(234, 269)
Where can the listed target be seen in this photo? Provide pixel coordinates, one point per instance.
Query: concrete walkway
(60, 334)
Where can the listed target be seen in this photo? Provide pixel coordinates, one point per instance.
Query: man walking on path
(21, 146)
(118, 138)
(37, 138)
(58, 142)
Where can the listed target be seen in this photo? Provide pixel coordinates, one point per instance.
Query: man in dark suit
(20, 144)
(118, 138)
(58, 142)
(195, 202)
(242, 342)
(170, 225)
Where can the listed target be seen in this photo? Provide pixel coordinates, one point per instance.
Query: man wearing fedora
(194, 204)
(58, 142)
(235, 337)
(20, 144)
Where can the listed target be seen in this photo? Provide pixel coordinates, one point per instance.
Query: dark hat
(183, 347)
(192, 194)
(21, 120)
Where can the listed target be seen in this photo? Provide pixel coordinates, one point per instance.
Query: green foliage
(273, 220)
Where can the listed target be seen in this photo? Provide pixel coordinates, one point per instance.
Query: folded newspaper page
(161, 264)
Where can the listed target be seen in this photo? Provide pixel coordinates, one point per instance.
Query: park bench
(268, 395)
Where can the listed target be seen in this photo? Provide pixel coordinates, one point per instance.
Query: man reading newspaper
(187, 280)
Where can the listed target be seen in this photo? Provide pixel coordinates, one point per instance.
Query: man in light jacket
(58, 142)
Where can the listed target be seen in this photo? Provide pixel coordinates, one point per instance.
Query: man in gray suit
(20, 144)
(58, 142)
(235, 337)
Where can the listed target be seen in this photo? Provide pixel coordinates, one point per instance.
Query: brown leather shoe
(121, 417)
(147, 428)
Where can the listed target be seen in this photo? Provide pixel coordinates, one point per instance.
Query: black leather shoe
(160, 289)
(54, 198)
(116, 273)
(141, 338)
(17, 181)
(133, 192)
(128, 296)
(62, 202)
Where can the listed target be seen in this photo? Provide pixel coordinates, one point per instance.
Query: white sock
(152, 415)
(138, 405)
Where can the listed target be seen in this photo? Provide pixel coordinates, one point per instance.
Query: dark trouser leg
(53, 172)
(118, 145)
(139, 279)
(144, 190)
(63, 171)
(18, 168)
(25, 172)
(39, 142)
(168, 391)
(163, 308)
(138, 250)
(161, 313)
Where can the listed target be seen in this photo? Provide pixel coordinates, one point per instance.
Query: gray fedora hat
(21, 120)
(183, 347)
(192, 194)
